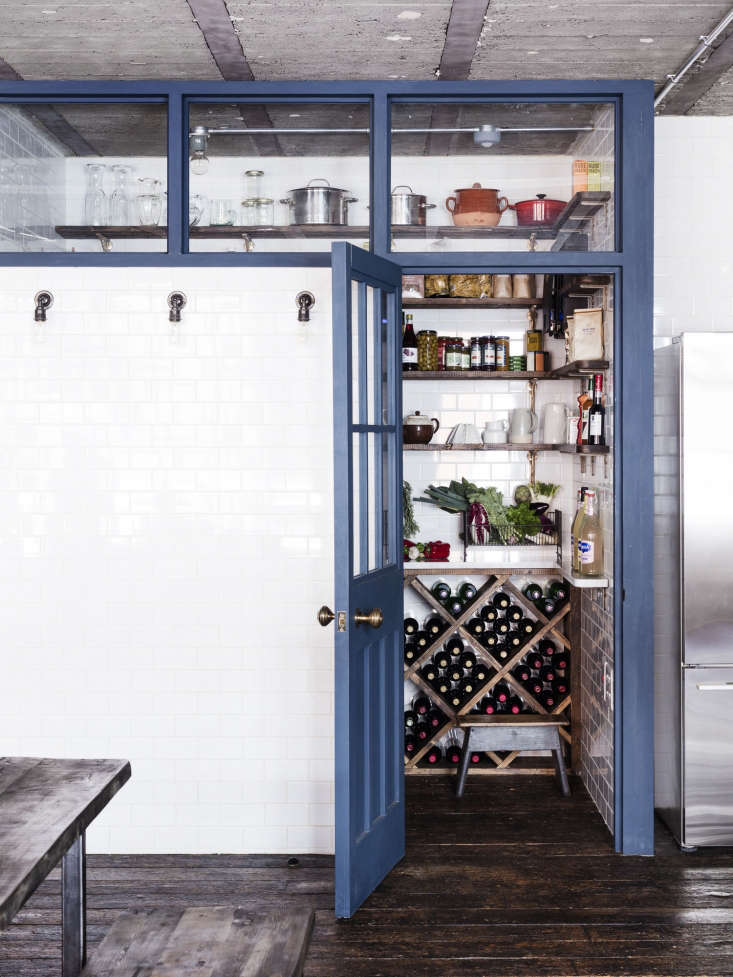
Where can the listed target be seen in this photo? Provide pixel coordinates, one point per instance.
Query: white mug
(523, 425)
(554, 423)
(494, 432)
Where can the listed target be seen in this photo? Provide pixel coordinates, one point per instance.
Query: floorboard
(514, 880)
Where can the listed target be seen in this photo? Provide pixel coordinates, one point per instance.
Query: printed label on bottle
(409, 354)
(586, 550)
(584, 428)
(595, 425)
(476, 358)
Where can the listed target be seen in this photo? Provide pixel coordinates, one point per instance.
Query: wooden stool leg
(560, 770)
(463, 767)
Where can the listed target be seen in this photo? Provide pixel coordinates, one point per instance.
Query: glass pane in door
(83, 177)
(492, 176)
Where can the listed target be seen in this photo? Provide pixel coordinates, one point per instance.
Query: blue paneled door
(367, 343)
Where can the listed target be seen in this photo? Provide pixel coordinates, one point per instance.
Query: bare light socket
(176, 301)
(44, 301)
(305, 302)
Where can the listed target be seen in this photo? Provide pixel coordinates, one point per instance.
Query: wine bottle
(597, 414)
(433, 626)
(488, 613)
(558, 590)
(501, 692)
(560, 687)
(409, 346)
(477, 758)
(546, 648)
(480, 674)
(422, 731)
(501, 651)
(500, 601)
(575, 529)
(442, 685)
(468, 659)
(410, 652)
(410, 719)
(521, 673)
(442, 659)
(454, 606)
(547, 698)
(435, 718)
(454, 647)
(514, 613)
(585, 400)
(488, 705)
(421, 705)
(535, 660)
(547, 673)
(526, 626)
(434, 756)
(467, 687)
(533, 592)
(560, 660)
(429, 672)
(515, 640)
(500, 626)
(546, 606)
(422, 640)
(475, 626)
(411, 625)
(454, 671)
(441, 591)
(467, 592)
(533, 686)
(410, 744)
(514, 705)
(456, 697)
(452, 753)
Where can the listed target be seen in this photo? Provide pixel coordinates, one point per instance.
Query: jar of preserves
(502, 353)
(442, 346)
(453, 354)
(466, 357)
(475, 353)
(436, 286)
(483, 344)
(427, 350)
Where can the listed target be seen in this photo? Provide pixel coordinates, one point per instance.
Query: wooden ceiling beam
(697, 83)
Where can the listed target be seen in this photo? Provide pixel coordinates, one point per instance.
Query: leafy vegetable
(544, 490)
(522, 493)
(409, 526)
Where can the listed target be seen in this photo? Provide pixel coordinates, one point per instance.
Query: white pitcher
(554, 423)
(522, 426)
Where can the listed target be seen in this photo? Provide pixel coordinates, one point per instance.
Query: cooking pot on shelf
(476, 206)
(539, 212)
(417, 429)
(319, 204)
(408, 207)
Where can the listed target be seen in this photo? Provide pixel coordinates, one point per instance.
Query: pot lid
(314, 185)
(417, 418)
(476, 186)
(404, 191)
(542, 196)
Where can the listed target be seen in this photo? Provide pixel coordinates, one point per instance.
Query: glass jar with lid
(427, 349)
(501, 344)
(454, 354)
(253, 187)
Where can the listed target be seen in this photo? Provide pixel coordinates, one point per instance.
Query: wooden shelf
(461, 303)
(566, 449)
(575, 370)
(415, 569)
(500, 671)
(584, 449)
(578, 368)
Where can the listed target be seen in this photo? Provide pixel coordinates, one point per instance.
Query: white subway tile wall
(167, 539)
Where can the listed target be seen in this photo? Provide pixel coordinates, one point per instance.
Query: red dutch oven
(539, 212)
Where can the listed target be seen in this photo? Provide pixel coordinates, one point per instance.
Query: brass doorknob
(325, 616)
(374, 618)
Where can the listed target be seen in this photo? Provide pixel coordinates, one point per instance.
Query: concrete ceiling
(359, 39)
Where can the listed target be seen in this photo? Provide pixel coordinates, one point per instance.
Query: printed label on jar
(489, 357)
(453, 361)
(475, 358)
(586, 549)
(409, 354)
(595, 425)
(500, 356)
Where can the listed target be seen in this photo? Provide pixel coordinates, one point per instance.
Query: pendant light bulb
(198, 141)
(199, 164)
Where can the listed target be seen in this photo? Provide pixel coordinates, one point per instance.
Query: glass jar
(475, 353)
(264, 212)
(95, 199)
(502, 353)
(253, 184)
(454, 354)
(120, 210)
(427, 350)
(484, 347)
(466, 357)
(442, 346)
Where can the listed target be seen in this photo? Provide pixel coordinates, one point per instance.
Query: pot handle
(506, 204)
(448, 204)
(509, 206)
(436, 424)
(318, 179)
(427, 206)
(351, 200)
(287, 200)
(402, 186)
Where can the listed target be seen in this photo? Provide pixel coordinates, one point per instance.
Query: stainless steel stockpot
(323, 204)
(408, 207)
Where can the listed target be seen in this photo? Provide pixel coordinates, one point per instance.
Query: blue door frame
(631, 264)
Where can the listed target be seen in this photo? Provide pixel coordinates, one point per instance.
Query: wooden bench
(45, 808)
(502, 732)
(205, 941)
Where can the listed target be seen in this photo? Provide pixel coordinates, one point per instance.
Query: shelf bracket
(105, 242)
(248, 242)
(532, 242)
(532, 458)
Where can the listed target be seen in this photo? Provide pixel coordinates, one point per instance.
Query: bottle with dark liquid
(475, 626)
(514, 613)
(546, 606)
(500, 601)
(422, 731)
(468, 659)
(422, 640)
(515, 640)
(561, 660)
(548, 699)
(429, 672)
(558, 590)
(467, 687)
(533, 592)
(488, 705)
(454, 647)
(434, 625)
(535, 660)
(526, 627)
(501, 693)
(521, 673)
(500, 626)
(533, 686)
(411, 625)
(421, 705)
(547, 673)
(488, 613)
(442, 659)
(597, 414)
(476, 758)
(441, 591)
(442, 685)
(433, 756)
(546, 647)
(454, 606)
(410, 652)
(560, 687)
(410, 744)
(501, 651)
(467, 592)
(452, 753)
(409, 346)
(480, 674)
(514, 705)
(410, 719)
(456, 697)
(454, 671)
(435, 718)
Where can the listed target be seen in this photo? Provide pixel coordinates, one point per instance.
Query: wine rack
(561, 628)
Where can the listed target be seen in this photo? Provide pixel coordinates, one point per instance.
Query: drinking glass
(197, 209)
(119, 204)
(95, 199)
(149, 202)
(222, 213)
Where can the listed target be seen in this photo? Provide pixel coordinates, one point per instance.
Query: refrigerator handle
(715, 686)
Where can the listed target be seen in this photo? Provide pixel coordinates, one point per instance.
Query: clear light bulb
(199, 163)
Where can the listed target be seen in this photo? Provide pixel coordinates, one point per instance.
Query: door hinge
(341, 621)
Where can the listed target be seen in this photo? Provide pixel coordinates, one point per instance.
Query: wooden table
(45, 808)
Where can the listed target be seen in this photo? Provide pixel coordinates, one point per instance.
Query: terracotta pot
(539, 212)
(476, 206)
(417, 429)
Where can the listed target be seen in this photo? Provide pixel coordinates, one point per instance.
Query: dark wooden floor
(512, 881)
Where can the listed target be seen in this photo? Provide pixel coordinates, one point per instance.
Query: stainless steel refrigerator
(693, 571)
